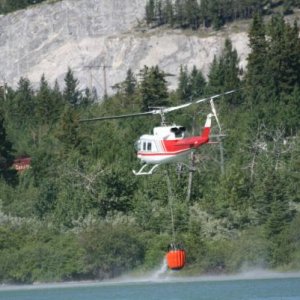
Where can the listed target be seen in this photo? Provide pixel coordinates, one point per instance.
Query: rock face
(100, 41)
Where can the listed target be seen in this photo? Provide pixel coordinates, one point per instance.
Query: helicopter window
(137, 145)
(144, 146)
(149, 146)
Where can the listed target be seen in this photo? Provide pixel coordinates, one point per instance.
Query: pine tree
(153, 87)
(44, 102)
(6, 155)
(204, 13)
(192, 13)
(183, 90)
(283, 55)
(271, 200)
(150, 11)
(130, 83)
(197, 83)
(216, 77)
(71, 94)
(168, 13)
(215, 12)
(24, 105)
(159, 13)
(179, 13)
(229, 61)
(279, 217)
(68, 132)
(256, 79)
(229, 70)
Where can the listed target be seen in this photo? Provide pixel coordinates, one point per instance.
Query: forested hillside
(7, 6)
(80, 213)
(211, 13)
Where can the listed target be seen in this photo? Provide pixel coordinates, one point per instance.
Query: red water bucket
(176, 259)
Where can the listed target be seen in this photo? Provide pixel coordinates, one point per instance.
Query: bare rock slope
(87, 35)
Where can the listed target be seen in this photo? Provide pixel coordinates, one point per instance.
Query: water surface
(204, 288)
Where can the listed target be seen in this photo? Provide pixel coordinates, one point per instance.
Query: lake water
(268, 287)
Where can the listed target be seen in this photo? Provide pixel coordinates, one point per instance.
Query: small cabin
(21, 164)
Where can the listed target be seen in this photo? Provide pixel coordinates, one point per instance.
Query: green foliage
(190, 85)
(216, 13)
(7, 6)
(6, 154)
(68, 130)
(153, 87)
(224, 71)
(41, 255)
(79, 213)
(111, 249)
(71, 94)
(155, 249)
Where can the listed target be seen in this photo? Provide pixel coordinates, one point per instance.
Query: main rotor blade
(118, 117)
(159, 111)
(166, 110)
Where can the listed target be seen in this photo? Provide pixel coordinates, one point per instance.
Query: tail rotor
(213, 109)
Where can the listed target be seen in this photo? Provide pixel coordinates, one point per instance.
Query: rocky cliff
(98, 39)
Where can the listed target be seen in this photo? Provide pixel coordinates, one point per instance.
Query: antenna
(90, 67)
(104, 67)
(104, 79)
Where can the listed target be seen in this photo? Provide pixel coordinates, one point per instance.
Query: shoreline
(258, 274)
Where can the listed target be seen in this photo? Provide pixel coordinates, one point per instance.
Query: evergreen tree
(204, 13)
(229, 61)
(6, 155)
(44, 103)
(197, 83)
(183, 91)
(130, 83)
(24, 104)
(153, 87)
(159, 13)
(71, 93)
(168, 13)
(216, 77)
(215, 12)
(57, 98)
(179, 13)
(270, 197)
(150, 11)
(192, 13)
(68, 132)
(279, 217)
(229, 70)
(283, 55)
(256, 80)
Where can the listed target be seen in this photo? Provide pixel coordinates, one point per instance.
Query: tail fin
(206, 130)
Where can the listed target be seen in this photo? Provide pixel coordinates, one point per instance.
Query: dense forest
(196, 14)
(79, 213)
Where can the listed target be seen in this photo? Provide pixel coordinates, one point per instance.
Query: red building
(22, 163)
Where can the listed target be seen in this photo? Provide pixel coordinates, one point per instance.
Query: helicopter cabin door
(148, 146)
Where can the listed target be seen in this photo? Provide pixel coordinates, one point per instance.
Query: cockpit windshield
(137, 145)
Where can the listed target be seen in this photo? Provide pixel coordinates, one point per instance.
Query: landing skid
(141, 171)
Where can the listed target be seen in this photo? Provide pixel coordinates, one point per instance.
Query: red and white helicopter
(168, 144)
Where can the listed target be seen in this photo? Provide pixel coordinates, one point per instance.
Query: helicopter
(168, 143)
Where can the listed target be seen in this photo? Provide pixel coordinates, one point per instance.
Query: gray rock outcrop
(87, 35)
